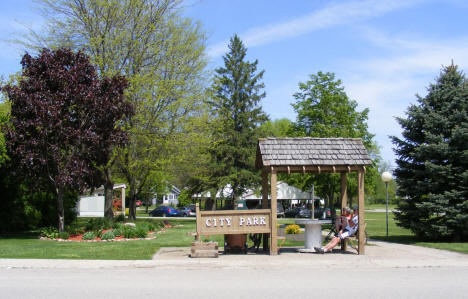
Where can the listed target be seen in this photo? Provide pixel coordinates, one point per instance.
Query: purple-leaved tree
(65, 122)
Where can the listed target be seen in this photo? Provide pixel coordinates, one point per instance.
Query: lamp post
(386, 177)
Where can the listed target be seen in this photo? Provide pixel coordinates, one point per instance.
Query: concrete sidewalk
(378, 255)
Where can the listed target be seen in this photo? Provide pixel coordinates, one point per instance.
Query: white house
(285, 192)
(171, 197)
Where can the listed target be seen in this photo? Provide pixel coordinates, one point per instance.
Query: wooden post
(265, 203)
(344, 201)
(273, 203)
(361, 232)
(344, 191)
(198, 218)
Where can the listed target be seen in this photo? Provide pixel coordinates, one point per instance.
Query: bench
(353, 241)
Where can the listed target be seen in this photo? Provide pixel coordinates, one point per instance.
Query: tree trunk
(60, 210)
(210, 202)
(108, 195)
(132, 202)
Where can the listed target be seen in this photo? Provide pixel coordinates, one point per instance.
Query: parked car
(298, 212)
(164, 211)
(322, 213)
(138, 203)
(306, 213)
(188, 211)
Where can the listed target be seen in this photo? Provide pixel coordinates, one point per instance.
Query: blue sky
(384, 51)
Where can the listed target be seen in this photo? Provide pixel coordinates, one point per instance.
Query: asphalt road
(294, 282)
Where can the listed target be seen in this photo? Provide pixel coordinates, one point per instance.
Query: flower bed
(95, 231)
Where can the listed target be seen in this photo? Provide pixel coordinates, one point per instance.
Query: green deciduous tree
(432, 172)
(161, 54)
(237, 91)
(324, 110)
(277, 128)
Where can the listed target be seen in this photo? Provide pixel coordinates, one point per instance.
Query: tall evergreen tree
(237, 91)
(432, 172)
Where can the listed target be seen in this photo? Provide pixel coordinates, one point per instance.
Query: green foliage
(22, 208)
(119, 218)
(49, 232)
(89, 236)
(184, 198)
(141, 232)
(4, 120)
(147, 226)
(64, 235)
(292, 229)
(74, 229)
(277, 128)
(129, 232)
(108, 235)
(162, 55)
(432, 173)
(117, 232)
(98, 223)
(236, 93)
(98, 232)
(324, 110)
(117, 225)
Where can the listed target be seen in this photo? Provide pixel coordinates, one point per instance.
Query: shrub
(96, 224)
(89, 236)
(141, 233)
(147, 226)
(73, 229)
(119, 218)
(158, 225)
(49, 232)
(98, 233)
(129, 232)
(64, 235)
(117, 232)
(108, 235)
(292, 229)
(118, 225)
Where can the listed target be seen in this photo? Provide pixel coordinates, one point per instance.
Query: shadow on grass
(20, 235)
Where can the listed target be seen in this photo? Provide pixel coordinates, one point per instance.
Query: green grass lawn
(28, 245)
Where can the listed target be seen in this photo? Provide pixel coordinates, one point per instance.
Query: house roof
(311, 152)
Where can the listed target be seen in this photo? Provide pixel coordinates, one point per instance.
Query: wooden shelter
(311, 155)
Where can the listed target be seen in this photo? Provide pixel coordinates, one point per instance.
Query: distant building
(171, 197)
(92, 205)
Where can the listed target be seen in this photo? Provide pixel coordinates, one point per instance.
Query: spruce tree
(237, 91)
(432, 172)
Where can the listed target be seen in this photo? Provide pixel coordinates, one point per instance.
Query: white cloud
(387, 85)
(335, 14)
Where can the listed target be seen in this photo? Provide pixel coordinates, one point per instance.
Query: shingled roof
(311, 152)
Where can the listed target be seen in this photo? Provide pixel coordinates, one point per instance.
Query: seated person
(348, 231)
(342, 221)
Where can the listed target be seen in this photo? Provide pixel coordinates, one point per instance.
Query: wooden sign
(233, 222)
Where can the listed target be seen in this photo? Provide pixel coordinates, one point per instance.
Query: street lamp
(386, 177)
